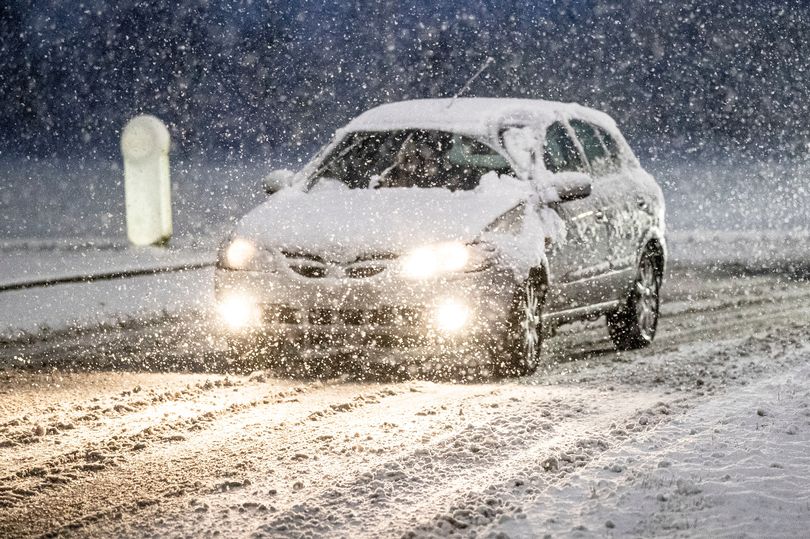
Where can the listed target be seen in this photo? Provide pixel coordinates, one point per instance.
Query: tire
(520, 354)
(634, 324)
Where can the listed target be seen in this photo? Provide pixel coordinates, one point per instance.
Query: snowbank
(743, 250)
(23, 264)
(71, 287)
(730, 467)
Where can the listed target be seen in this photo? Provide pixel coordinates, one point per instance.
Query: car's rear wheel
(634, 324)
(523, 339)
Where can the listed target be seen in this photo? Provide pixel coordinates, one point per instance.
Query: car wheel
(633, 325)
(523, 339)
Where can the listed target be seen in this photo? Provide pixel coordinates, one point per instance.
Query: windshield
(410, 158)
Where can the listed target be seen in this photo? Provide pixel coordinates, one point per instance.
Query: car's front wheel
(634, 324)
(523, 339)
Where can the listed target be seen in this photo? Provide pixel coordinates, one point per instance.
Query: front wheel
(523, 340)
(633, 325)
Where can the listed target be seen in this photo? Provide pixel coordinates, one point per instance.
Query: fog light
(238, 311)
(451, 315)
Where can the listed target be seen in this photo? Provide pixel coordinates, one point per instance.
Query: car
(443, 227)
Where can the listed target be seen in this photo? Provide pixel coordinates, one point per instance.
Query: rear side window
(586, 133)
(560, 153)
(610, 144)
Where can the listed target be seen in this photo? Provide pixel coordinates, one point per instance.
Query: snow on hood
(346, 223)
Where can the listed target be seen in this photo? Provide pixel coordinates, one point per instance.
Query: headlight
(442, 258)
(241, 254)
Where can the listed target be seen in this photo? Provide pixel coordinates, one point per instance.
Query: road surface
(136, 430)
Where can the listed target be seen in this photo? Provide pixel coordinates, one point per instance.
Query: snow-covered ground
(88, 304)
(26, 265)
(142, 430)
(734, 466)
(743, 251)
(55, 286)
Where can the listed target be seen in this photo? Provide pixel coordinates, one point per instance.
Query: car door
(577, 261)
(631, 208)
(621, 202)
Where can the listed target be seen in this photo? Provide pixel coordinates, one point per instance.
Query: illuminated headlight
(238, 311)
(241, 254)
(442, 258)
(451, 315)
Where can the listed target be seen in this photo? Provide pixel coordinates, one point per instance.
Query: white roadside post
(145, 147)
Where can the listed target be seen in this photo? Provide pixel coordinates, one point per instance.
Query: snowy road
(131, 431)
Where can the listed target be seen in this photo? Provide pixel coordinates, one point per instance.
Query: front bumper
(384, 312)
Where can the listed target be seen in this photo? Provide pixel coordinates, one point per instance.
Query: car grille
(316, 267)
(313, 272)
(382, 316)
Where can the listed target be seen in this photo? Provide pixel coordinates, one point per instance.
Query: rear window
(610, 144)
(591, 143)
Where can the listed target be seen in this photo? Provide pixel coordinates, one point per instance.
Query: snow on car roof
(470, 115)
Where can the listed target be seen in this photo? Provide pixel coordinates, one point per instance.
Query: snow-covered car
(447, 226)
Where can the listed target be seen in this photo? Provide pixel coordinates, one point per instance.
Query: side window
(611, 145)
(560, 153)
(594, 149)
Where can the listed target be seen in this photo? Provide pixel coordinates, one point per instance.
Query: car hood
(344, 224)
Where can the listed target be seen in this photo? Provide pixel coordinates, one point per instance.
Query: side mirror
(571, 186)
(277, 180)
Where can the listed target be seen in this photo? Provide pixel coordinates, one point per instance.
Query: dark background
(712, 95)
(268, 78)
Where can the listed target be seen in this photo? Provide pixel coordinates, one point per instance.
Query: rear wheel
(523, 340)
(634, 324)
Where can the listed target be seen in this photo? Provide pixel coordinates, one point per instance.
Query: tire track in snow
(312, 450)
(708, 322)
(526, 428)
(525, 479)
(232, 445)
(169, 343)
(264, 444)
(52, 417)
(40, 393)
(106, 448)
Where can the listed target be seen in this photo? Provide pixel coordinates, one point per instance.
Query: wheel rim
(530, 322)
(647, 298)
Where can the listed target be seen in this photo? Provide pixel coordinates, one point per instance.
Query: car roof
(476, 116)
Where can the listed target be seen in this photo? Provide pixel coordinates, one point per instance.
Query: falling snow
(140, 396)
